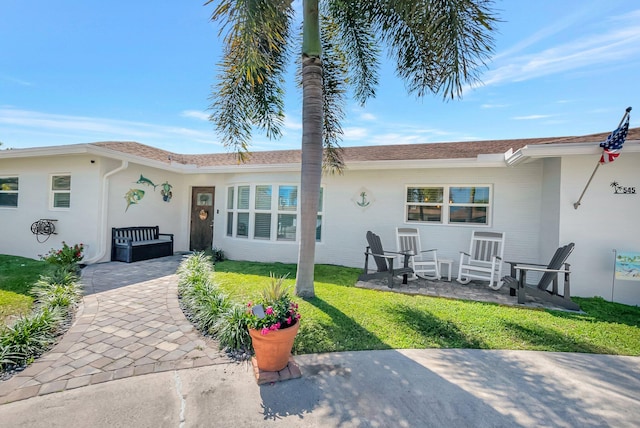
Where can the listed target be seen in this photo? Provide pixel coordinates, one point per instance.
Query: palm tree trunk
(311, 172)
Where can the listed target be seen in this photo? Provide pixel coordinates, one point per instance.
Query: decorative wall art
(363, 198)
(166, 192)
(146, 181)
(133, 196)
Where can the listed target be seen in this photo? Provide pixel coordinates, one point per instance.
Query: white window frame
(11, 192)
(232, 212)
(447, 204)
(53, 192)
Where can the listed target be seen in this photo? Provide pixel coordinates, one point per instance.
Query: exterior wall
(531, 202)
(151, 210)
(515, 210)
(77, 224)
(604, 221)
(550, 209)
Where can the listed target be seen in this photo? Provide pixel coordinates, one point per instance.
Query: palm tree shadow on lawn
(434, 332)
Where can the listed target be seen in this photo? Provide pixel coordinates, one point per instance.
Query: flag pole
(577, 204)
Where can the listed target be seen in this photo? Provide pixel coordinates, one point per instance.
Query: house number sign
(622, 190)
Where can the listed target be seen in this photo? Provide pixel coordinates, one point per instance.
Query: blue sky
(80, 71)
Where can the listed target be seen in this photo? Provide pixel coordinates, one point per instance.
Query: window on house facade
(266, 212)
(448, 204)
(60, 191)
(8, 192)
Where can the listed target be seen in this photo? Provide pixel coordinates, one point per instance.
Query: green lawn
(344, 318)
(17, 275)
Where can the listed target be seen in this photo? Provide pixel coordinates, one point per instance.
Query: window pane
(229, 224)
(262, 226)
(230, 198)
(468, 215)
(61, 182)
(287, 227)
(469, 195)
(320, 201)
(425, 194)
(8, 183)
(424, 213)
(263, 197)
(319, 228)
(243, 224)
(243, 197)
(8, 199)
(61, 200)
(288, 198)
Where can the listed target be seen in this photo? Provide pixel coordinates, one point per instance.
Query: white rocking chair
(423, 262)
(484, 259)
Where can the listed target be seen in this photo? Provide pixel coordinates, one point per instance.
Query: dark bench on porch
(132, 244)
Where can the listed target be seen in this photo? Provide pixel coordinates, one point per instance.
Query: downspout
(102, 247)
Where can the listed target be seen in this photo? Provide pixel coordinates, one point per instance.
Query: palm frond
(439, 45)
(357, 39)
(250, 89)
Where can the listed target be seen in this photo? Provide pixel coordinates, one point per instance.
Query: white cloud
(355, 133)
(531, 117)
(88, 129)
(368, 116)
(195, 114)
(292, 123)
(15, 81)
(488, 106)
(620, 42)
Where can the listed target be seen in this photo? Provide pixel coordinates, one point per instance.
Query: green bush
(65, 256)
(30, 336)
(204, 301)
(231, 329)
(195, 269)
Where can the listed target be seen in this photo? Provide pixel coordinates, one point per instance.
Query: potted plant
(273, 322)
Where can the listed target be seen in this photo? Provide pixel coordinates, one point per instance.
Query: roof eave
(486, 161)
(538, 151)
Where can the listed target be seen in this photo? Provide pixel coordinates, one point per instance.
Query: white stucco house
(525, 188)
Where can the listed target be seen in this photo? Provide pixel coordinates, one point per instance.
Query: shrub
(231, 329)
(30, 336)
(55, 293)
(200, 296)
(195, 269)
(8, 357)
(65, 256)
(218, 254)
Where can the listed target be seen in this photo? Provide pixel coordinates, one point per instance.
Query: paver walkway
(129, 324)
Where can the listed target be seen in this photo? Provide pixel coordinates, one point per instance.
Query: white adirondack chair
(423, 262)
(484, 259)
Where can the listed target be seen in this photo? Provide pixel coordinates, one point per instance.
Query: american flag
(613, 145)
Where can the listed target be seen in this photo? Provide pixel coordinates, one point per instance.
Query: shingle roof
(459, 150)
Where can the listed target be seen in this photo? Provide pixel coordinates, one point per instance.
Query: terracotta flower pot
(273, 349)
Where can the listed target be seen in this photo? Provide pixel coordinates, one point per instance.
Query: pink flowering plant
(67, 255)
(274, 310)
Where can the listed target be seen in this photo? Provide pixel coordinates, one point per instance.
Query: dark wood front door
(202, 210)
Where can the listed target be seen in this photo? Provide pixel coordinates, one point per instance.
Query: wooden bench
(132, 244)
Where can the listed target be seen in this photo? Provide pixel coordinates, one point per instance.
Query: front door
(202, 218)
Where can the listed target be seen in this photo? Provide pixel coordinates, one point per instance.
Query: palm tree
(438, 46)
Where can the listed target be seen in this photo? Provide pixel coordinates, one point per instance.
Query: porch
(474, 291)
